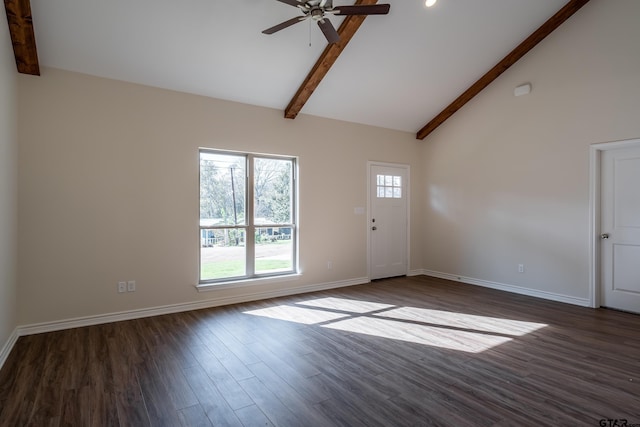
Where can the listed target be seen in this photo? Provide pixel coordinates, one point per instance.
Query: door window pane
(388, 192)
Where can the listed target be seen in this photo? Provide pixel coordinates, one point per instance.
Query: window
(247, 216)
(389, 186)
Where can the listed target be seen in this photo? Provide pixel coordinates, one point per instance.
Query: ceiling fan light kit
(319, 10)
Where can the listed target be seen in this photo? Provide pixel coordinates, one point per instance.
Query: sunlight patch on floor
(472, 322)
(437, 328)
(306, 316)
(343, 304)
(470, 342)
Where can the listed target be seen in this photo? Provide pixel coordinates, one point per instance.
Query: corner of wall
(8, 193)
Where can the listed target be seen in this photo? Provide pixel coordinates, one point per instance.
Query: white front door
(388, 220)
(620, 229)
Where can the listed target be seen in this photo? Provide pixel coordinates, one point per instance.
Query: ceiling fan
(318, 9)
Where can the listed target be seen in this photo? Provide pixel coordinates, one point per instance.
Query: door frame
(595, 201)
(407, 168)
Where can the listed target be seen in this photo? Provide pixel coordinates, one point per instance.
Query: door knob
(604, 236)
(374, 228)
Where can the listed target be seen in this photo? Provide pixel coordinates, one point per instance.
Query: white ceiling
(398, 72)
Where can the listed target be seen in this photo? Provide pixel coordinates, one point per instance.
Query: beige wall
(108, 191)
(8, 184)
(506, 179)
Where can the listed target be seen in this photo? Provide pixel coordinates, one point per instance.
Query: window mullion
(250, 237)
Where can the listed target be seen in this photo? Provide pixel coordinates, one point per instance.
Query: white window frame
(250, 227)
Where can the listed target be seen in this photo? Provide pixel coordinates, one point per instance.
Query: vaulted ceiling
(408, 70)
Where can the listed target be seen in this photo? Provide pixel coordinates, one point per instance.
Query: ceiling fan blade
(373, 9)
(329, 31)
(285, 24)
(294, 3)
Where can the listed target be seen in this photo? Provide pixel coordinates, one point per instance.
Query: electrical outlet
(520, 268)
(131, 286)
(122, 287)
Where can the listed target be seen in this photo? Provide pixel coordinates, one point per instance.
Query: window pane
(273, 190)
(397, 181)
(380, 179)
(388, 192)
(380, 192)
(222, 189)
(388, 180)
(397, 193)
(222, 253)
(274, 249)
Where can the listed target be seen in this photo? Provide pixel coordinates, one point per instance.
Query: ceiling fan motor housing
(317, 13)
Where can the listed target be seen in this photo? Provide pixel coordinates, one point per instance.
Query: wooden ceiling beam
(329, 56)
(530, 42)
(22, 36)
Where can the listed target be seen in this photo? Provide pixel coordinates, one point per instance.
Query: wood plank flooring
(411, 351)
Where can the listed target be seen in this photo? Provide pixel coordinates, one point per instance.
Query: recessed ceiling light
(430, 3)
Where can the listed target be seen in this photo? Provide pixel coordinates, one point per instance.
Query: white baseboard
(177, 308)
(583, 302)
(216, 302)
(7, 347)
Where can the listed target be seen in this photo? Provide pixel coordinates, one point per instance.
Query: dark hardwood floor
(400, 352)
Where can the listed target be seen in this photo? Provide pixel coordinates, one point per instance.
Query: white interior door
(388, 220)
(620, 228)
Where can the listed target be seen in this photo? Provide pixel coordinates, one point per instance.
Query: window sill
(205, 287)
